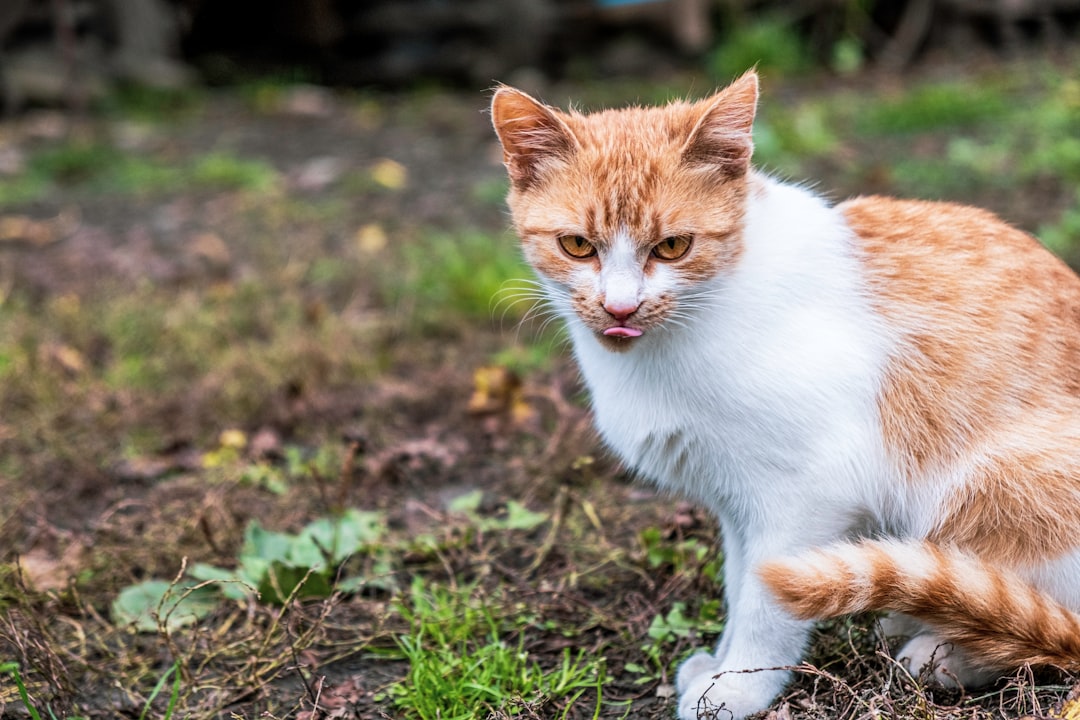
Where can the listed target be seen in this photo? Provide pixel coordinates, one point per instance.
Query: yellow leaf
(67, 357)
(1071, 710)
(233, 438)
(391, 174)
(371, 238)
(492, 388)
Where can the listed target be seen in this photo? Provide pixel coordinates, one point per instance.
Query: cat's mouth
(622, 331)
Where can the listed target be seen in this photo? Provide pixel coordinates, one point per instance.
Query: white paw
(700, 663)
(730, 696)
(944, 664)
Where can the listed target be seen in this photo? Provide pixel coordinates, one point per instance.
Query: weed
(100, 168)
(174, 696)
(665, 629)
(12, 669)
(462, 658)
(221, 171)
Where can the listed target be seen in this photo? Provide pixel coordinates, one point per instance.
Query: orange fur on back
(988, 374)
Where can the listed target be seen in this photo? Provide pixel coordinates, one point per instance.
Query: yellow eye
(576, 246)
(672, 248)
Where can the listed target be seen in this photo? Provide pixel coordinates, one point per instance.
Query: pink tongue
(622, 332)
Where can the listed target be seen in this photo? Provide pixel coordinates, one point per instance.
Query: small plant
(12, 669)
(665, 630)
(276, 566)
(463, 660)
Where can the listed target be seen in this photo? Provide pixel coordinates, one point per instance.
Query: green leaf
(265, 544)
(233, 584)
(519, 517)
(344, 536)
(282, 580)
(140, 605)
(467, 504)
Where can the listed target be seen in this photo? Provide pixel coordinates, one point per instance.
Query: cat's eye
(672, 248)
(576, 246)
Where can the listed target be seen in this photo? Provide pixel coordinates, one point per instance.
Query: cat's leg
(759, 635)
(943, 663)
(734, 565)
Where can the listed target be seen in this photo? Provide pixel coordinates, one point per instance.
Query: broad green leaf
(233, 584)
(282, 579)
(137, 605)
(265, 544)
(519, 517)
(468, 503)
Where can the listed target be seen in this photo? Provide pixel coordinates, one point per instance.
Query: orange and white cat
(879, 400)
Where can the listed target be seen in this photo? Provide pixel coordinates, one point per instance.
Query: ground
(273, 328)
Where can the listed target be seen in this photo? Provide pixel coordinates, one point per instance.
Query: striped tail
(998, 618)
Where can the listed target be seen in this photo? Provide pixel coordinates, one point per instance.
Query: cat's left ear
(531, 133)
(722, 138)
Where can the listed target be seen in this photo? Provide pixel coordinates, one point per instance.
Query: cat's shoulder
(926, 231)
(920, 251)
(880, 216)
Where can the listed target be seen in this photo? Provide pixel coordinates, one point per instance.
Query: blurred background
(76, 50)
(258, 292)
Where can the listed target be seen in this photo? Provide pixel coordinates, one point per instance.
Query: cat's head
(626, 213)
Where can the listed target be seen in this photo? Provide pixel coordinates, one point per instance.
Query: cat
(879, 400)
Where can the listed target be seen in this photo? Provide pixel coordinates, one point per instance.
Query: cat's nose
(620, 310)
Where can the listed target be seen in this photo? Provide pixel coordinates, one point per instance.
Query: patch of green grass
(935, 106)
(455, 275)
(465, 660)
(223, 171)
(96, 167)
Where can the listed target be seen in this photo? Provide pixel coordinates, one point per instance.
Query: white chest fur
(769, 384)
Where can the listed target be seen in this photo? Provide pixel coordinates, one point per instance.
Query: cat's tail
(997, 617)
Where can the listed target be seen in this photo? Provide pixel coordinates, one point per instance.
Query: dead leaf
(493, 389)
(371, 238)
(44, 571)
(233, 438)
(66, 357)
(390, 174)
(1070, 710)
(497, 389)
(25, 229)
(211, 248)
(317, 173)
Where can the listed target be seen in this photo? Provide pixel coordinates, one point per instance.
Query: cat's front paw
(719, 696)
(700, 663)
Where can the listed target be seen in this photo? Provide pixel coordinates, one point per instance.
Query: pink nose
(620, 310)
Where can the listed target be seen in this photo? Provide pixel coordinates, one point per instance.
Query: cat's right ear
(531, 133)
(722, 138)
